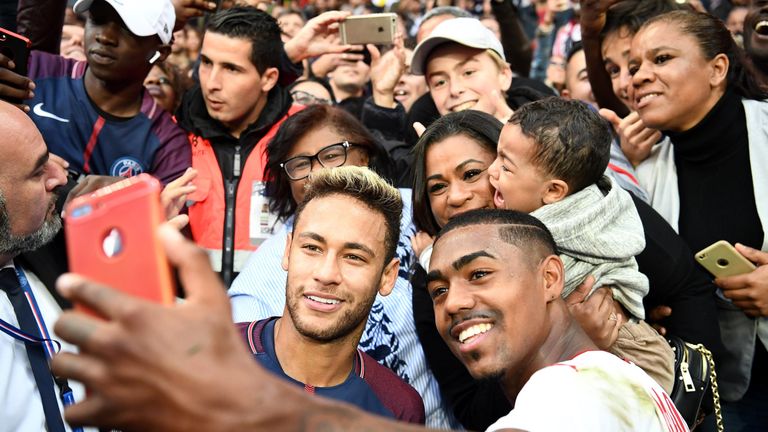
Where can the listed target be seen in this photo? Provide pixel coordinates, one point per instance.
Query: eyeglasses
(304, 98)
(332, 156)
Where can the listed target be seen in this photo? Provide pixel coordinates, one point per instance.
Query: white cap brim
(456, 30)
(135, 22)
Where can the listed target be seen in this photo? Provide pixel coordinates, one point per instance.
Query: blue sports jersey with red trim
(369, 386)
(97, 143)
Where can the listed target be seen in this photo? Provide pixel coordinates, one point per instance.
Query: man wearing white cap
(96, 114)
(464, 65)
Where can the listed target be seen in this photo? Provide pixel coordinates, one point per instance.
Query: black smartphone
(16, 47)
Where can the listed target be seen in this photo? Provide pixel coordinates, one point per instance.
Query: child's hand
(596, 314)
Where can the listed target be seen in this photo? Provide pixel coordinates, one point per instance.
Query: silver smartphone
(378, 29)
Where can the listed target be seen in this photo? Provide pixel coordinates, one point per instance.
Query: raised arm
(41, 21)
(593, 14)
(517, 47)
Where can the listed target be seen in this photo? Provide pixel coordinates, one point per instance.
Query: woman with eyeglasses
(320, 136)
(451, 161)
(323, 137)
(317, 137)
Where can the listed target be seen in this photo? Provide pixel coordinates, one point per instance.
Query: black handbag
(694, 376)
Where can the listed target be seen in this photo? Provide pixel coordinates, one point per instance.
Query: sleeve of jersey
(174, 155)
(555, 399)
(394, 393)
(45, 65)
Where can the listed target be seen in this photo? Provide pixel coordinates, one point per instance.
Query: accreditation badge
(262, 223)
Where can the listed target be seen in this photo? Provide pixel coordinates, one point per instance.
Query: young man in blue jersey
(335, 272)
(96, 114)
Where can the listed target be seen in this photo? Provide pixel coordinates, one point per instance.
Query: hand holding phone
(723, 260)
(15, 87)
(111, 239)
(748, 291)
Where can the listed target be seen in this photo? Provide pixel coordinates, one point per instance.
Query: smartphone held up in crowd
(378, 29)
(112, 240)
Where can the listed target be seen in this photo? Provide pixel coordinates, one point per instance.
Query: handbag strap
(713, 383)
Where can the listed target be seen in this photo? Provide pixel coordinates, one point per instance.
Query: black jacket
(193, 117)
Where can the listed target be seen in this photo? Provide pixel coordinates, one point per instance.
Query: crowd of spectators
(362, 205)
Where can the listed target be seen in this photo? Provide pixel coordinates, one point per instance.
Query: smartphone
(16, 47)
(723, 260)
(378, 29)
(111, 239)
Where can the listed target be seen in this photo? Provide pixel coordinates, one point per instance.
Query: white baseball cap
(142, 17)
(464, 31)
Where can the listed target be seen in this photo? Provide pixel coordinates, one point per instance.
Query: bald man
(29, 181)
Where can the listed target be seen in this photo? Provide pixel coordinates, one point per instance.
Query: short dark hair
(315, 80)
(574, 48)
(278, 187)
(572, 142)
(481, 127)
(365, 186)
(630, 15)
(255, 26)
(516, 228)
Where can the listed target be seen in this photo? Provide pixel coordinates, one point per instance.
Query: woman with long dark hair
(451, 161)
(690, 80)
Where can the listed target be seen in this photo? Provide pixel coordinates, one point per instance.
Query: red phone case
(111, 239)
(16, 47)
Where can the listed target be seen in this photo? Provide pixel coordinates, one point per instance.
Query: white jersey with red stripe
(594, 391)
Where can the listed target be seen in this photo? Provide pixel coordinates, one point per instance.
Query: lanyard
(50, 346)
(46, 340)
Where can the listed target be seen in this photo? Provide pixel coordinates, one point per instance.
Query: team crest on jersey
(126, 167)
